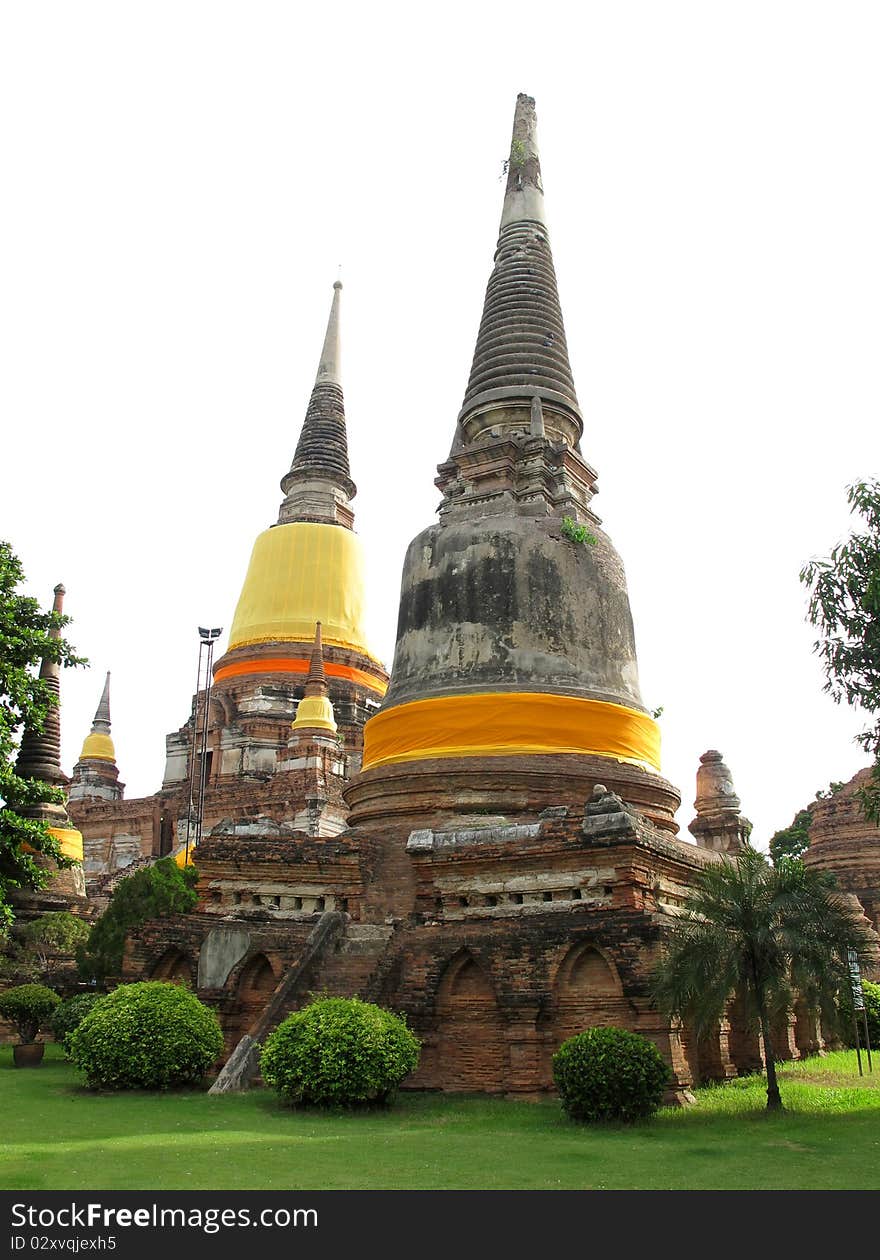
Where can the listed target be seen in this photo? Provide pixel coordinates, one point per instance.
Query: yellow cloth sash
(508, 723)
(98, 747)
(71, 841)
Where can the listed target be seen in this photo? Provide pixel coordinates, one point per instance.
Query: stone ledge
(428, 841)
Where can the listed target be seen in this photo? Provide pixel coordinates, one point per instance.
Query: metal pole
(192, 753)
(867, 1039)
(203, 769)
(858, 1048)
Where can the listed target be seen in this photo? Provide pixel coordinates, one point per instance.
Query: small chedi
(484, 842)
(719, 824)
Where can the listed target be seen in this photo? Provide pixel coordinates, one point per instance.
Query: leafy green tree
(152, 892)
(845, 607)
(764, 933)
(56, 932)
(794, 839)
(26, 637)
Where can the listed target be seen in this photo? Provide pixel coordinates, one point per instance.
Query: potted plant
(28, 1007)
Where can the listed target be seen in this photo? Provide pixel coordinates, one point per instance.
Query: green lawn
(57, 1136)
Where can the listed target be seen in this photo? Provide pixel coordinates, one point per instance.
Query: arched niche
(471, 1044)
(464, 982)
(172, 966)
(585, 973)
(586, 992)
(254, 987)
(257, 979)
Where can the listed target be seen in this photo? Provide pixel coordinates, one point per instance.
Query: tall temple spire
(39, 756)
(521, 351)
(318, 486)
(514, 639)
(309, 566)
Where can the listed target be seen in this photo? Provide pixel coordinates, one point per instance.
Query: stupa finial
(329, 365)
(524, 196)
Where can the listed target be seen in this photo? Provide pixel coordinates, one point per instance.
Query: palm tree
(763, 932)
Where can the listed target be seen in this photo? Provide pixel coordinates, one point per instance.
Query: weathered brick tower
(39, 757)
(515, 684)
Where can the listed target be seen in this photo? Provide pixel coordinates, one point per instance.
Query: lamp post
(207, 639)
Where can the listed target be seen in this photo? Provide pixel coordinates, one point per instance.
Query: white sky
(182, 181)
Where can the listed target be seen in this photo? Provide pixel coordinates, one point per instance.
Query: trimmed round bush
(151, 1035)
(339, 1052)
(67, 1017)
(609, 1074)
(29, 1007)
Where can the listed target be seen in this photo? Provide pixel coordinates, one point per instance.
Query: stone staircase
(100, 889)
(339, 958)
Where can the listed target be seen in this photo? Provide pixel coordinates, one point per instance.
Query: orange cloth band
(296, 665)
(507, 723)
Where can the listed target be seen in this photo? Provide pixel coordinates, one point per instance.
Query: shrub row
(334, 1052)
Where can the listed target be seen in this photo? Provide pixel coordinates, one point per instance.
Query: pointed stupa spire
(39, 756)
(98, 745)
(315, 710)
(316, 683)
(318, 486)
(329, 364)
(102, 713)
(521, 349)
